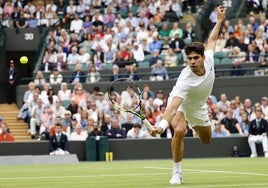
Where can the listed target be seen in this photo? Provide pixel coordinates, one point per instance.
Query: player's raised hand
(221, 11)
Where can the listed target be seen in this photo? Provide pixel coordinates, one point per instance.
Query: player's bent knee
(179, 131)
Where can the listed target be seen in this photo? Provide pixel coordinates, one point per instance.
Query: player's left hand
(221, 12)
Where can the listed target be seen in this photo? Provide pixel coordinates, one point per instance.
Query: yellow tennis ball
(24, 60)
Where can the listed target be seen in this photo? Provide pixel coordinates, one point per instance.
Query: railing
(144, 74)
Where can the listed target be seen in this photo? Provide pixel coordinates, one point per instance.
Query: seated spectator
(39, 79)
(48, 120)
(93, 75)
(159, 72)
(35, 114)
(171, 60)
(116, 131)
(21, 22)
(79, 134)
(142, 32)
(61, 58)
(61, 9)
(220, 43)
(101, 103)
(177, 44)
(136, 132)
(56, 77)
(58, 143)
(78, 75)
(223, 101)
(73, 106)
(145, 46)
(98, 57)
(48, 61)
(129, 121)
(245, 123)
(64, 94)
(73, 57)
(188, 34)
(76, 24)
(155, 58)
(237, 69)
(252, 54)
(96, 131)
(219, 130)
(175, 30)
(124, 53)
(116, 73)
(164, 31)
(238, 54)
(231, 124)
(51, 98)
(137, 52)
(110, 54)
(132, 73)
(258, 133)
(85, 57)
(5, 136)
(232, 41)
(109, 17)
(67, 120)
(29, 92)
(156, 44)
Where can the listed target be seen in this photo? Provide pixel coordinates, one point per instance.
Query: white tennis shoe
(176, 179)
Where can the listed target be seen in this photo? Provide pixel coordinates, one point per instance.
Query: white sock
(176, 167)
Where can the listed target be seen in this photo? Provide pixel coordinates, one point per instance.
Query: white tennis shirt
(194, 89)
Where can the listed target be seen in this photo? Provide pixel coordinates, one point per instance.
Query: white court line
(82, 176)
(211, 171)
(227, 185)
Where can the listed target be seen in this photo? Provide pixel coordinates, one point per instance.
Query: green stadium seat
(217, 61)
(85, 67)
(144, 64)
(220, 55)
(148, 57)
(107, 66)
(226, 60)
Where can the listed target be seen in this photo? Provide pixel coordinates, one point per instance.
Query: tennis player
(187, 100)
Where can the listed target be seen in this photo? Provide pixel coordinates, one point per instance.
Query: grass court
(198, 173)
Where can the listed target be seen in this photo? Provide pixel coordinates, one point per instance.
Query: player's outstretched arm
(168, 115)
(213, 37)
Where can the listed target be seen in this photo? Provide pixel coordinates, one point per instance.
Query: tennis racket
(130, 100)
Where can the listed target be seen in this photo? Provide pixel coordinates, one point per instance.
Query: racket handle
(147, 124)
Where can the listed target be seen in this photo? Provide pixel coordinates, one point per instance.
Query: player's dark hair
(197, 47)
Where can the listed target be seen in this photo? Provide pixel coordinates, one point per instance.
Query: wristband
(163, 124)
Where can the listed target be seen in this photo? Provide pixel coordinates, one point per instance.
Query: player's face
(196, 62)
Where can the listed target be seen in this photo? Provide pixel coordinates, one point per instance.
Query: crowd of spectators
(101, 32)
(83, 113)
(245, 40)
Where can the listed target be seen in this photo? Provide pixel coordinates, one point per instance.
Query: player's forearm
(215, 32)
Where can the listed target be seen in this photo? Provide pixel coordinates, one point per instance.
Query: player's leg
(204, 133)
(178, 123)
